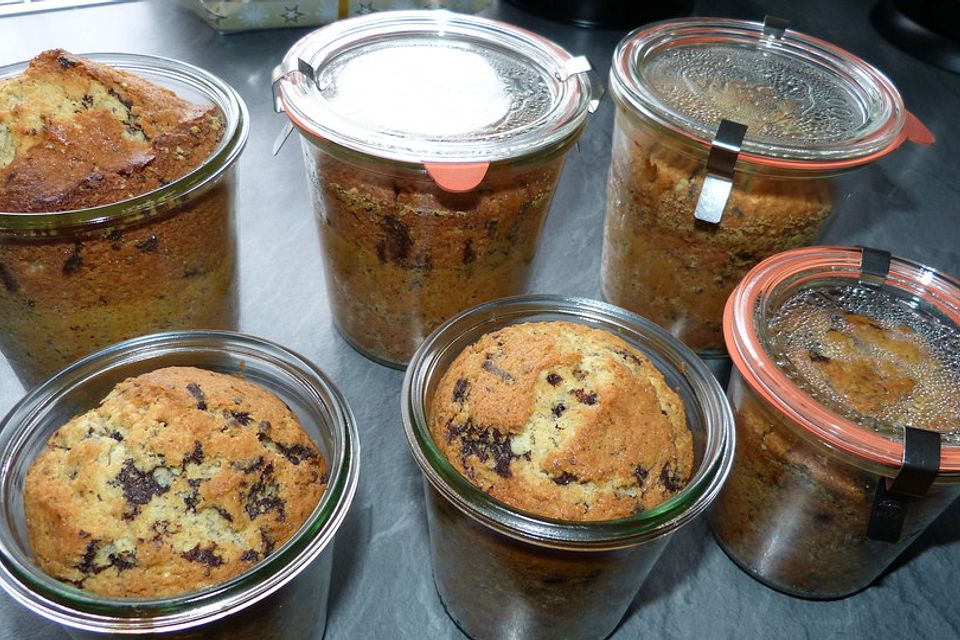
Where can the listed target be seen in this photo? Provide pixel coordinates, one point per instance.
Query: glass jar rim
(802, 266)
(572, 94)
(661, 347)
(57, 601)
(887, 130)
(236, 130)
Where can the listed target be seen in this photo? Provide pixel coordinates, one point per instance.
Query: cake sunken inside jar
(564, 421)
(180, 479)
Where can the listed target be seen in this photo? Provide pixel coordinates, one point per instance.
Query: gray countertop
(906, 203)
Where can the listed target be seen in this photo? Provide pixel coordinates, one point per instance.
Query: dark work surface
(907, 203)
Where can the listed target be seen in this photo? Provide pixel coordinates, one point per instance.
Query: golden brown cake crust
(562, 420)
(76, 134)
(180, 479)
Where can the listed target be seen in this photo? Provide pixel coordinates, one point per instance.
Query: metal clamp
(718, 182)
(774, 27)
(921, 464)
(874, 266)
(280, 72)
(580, 64)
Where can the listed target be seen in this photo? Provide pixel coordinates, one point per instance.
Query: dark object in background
(607, 13)
(926, 29)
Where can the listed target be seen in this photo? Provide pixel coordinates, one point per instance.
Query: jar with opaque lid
(433, 143)
(846, 394)
(730, 138)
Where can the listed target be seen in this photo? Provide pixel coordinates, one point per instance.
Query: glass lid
(852, 356)
(434, 86)
(802, 99)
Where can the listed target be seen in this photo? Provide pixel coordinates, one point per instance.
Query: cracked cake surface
(562, 420)
(180, 479)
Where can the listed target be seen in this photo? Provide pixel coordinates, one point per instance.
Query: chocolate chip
(126, 103)
(262, 497)
(148, 245)
(484, 444)
(565, 478)
(139, 487)
(268, 543)
(626, 355)
(66, 63)
(241, 416)
(579, 374)
(203, 556)
(87, 100)
(8, 282)
(488, 365)
(224, 514)
(90, 553)
(197, 394)
(396, 243)
(123, 560)
(116, 435)
(670, 478)
(195, 456)
(559, 409)
(192, 499)
(296, 453)
(469, 255)
(250, 555)
(460, 391)
(256, 466)
(641, 474)
(72, 264)
(584, 397)
(554, 379)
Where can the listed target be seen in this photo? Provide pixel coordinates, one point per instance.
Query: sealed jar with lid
(433, 143)
(728, 142)
(846, 393)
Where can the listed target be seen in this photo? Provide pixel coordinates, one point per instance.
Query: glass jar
(76, 281)
(693, 204)
(832, 363)
(284, 595)
(433, 143)
(502, 572)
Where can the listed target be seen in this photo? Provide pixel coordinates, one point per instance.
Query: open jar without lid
(76, 281)
(433, 143)
(729, 139)
(846, 392)
(505, 572)
(284, 594)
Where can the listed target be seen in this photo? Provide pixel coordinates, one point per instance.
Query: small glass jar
(284, 595)
(433, 143)
(501, 572)
(76, 281)
(831, 364)
(692, 205)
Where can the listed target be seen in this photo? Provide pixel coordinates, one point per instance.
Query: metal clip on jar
(846, 393)
(728, 142)
(282, 596)
(506, 573)
(433, 143)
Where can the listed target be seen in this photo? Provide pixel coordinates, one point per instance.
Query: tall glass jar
(433, 144)
(282, 596)
(692, 203)
(838, 369)
(502, 572)
(76, 281)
